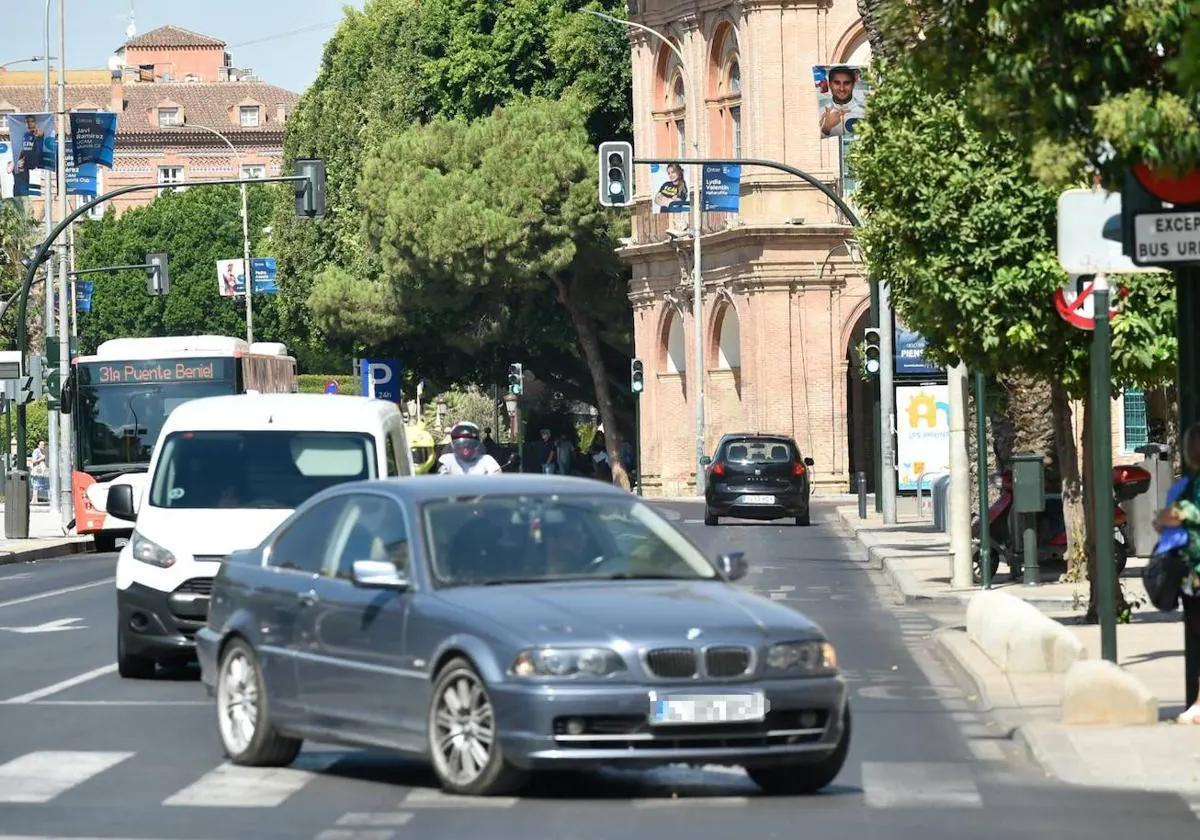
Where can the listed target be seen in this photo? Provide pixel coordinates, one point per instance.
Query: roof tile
(171, 36)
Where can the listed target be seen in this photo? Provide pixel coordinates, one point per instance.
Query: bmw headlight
(148, 551)
(804, 657)
(567, 662)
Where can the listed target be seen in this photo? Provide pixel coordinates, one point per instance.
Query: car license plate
(758, 500)
(686, 709)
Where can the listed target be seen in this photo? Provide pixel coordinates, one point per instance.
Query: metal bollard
(860, 480)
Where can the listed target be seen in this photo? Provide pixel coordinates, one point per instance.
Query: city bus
(120, 396)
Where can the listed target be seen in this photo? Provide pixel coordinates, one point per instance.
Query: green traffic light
(872, 366)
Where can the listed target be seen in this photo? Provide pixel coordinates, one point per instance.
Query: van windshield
(275, 469)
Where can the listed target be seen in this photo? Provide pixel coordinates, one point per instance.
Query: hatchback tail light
(718, 468)
(798, 468)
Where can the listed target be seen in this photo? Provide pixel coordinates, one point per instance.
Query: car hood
(629, 610)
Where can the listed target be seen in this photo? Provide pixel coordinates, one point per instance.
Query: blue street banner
(94, 137)
(722, 187)
(83, 296)
(81, 179)
(32, 141)
(263, 270)
(910, 353)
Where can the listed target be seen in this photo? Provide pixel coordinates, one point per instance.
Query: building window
(249, 116)
(1137, 424)
(254, 170)
(168, 117)
(735, 115)
(170, 175)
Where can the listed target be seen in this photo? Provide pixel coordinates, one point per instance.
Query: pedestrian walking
(1185, 512)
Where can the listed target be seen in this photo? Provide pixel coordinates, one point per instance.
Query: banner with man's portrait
(841, 99)
(33, 146)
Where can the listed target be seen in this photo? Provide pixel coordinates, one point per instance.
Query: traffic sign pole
(1102, 493)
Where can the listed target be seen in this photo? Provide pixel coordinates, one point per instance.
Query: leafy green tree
(1071, 83)
(18, 238)
(401, 62)
(196, 228)
(469, 216)
(964, 235)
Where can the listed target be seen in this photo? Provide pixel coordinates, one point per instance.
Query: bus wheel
(104, 542)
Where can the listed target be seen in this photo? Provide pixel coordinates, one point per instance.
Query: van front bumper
(162, 625)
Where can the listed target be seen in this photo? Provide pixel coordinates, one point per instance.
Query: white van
(225, 472)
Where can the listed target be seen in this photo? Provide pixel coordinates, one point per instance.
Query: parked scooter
(1129, 481)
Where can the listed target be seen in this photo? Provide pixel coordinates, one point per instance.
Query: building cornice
(739, 234)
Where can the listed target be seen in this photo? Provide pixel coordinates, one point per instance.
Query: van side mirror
(120, 502)
(808, 462)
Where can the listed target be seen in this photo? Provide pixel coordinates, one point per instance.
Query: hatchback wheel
(463, 736)
(709, 519)
(243, 716)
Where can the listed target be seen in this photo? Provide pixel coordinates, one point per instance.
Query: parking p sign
(381, 379)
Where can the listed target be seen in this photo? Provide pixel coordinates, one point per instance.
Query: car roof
(293, 412)
(418, 489)
(759, 435)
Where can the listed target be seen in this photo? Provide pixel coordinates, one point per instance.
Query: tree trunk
(1071, 484)
(589, 343)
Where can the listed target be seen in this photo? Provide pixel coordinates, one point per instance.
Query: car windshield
(760, 450)
(241, 469)
(510, 539)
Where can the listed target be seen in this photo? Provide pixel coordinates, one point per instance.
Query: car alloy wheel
(464, 729)
(237, 702)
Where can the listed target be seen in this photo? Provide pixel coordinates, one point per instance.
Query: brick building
(160, 84)
(784, 293)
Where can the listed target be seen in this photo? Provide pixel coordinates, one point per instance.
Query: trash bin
(1140, 510)
(16, 505)
(941, 504)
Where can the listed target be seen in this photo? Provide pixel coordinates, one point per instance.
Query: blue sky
(281, 40)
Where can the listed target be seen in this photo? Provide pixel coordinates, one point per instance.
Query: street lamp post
(245, 226)
(698, 113)
(513, 403)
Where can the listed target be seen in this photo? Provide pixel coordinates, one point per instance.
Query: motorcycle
(1128, 481)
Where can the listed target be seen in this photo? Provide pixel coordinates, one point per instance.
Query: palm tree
(18, 236)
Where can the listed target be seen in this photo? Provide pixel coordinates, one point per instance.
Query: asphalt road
(85, 754)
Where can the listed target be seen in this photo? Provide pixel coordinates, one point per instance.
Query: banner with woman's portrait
(841, 99)
(672, 192)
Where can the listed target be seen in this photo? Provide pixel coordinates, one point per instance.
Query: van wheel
(132, 667)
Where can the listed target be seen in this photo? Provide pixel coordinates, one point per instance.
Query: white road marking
(430, 798)
(41, 776)
(119, 702)
(353, 834)
(60, 686)
(692, 801)
(379, 818)
(58, 625)
(231, 786)
(29, 599)
(919, 785)
(693, 522)
(986, 750)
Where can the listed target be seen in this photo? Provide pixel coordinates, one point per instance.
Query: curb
(46, 552)
(906, 585)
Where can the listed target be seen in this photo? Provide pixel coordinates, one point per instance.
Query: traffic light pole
(22, 459)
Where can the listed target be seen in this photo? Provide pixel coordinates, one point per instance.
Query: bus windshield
(120, 407)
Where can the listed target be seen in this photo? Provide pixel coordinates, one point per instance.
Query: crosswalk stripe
(430, 798)
(692, 801)
(986, 750)
(231, 786)
(41, 776)
(378, 818)
(354, 834)
(919, 785)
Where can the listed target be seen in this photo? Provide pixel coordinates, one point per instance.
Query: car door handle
(307, 599)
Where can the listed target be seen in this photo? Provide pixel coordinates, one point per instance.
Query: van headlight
(148, 551)
(803, 657)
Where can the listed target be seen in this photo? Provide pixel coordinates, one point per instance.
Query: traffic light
(37, 367)
(637, 379)
(25, 390)
(310, 193)
(871, 351)
(515, 378)
(158, 275)
(616, 174)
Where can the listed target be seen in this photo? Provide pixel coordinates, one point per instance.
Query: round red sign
(1184, 191)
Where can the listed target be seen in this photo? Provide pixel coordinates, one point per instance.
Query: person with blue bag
(1173, 574)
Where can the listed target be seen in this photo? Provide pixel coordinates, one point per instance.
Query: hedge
(314, 383)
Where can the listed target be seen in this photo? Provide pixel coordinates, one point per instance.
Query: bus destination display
(166, 371)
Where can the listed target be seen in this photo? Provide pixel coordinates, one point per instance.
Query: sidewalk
(1159, 757)
(47, 538)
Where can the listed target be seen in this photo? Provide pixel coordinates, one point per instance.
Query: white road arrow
(56, 626)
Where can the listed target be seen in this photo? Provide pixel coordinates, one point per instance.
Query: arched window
(725, 93)
(676, 108)
(670, 105)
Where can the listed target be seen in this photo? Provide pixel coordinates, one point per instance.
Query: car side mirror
(808, 462)
(733, 565)
(377, 574)
(121, 502)
(705, 460)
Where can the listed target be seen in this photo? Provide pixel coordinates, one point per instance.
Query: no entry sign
(1075, 303)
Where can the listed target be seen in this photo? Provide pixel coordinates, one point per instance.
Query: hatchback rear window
(759, 451)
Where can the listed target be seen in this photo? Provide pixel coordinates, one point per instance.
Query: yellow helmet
(423, 449)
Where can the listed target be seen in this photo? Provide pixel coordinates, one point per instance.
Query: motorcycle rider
(466, 456)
